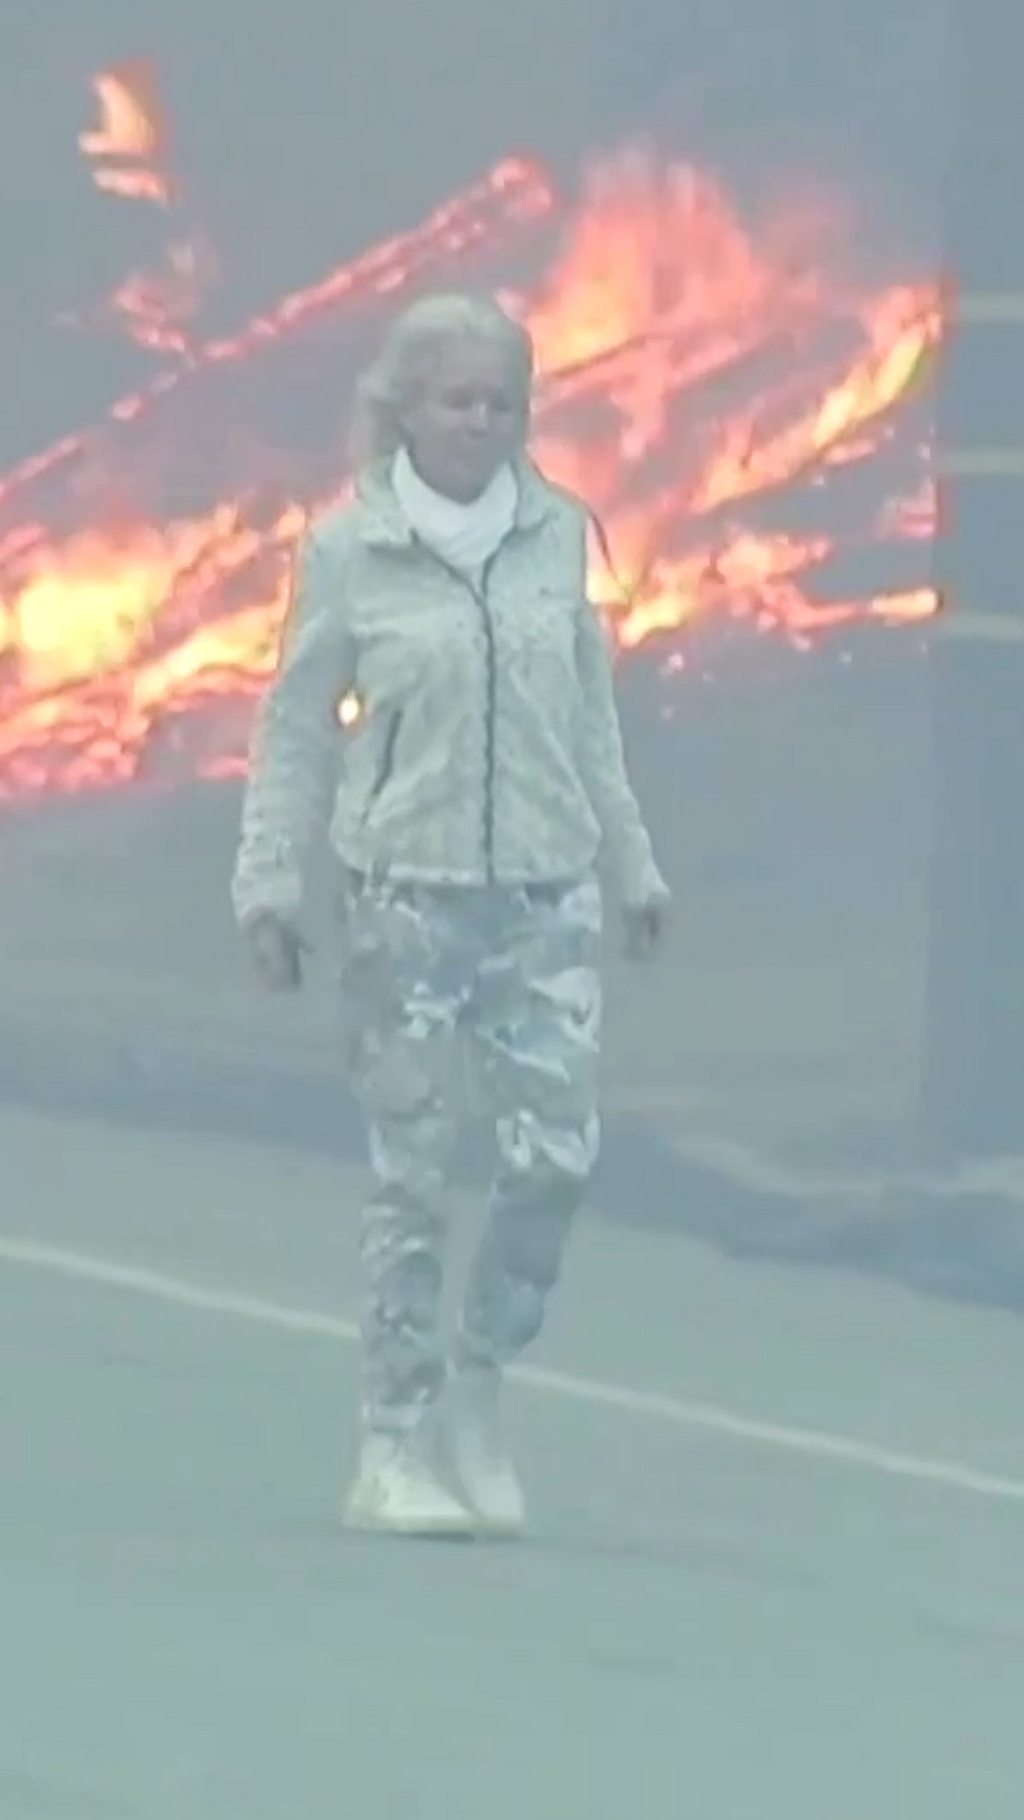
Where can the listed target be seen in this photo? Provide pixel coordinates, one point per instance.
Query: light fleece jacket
(486, 748)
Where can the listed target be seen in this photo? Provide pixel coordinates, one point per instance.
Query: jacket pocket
(384, 768)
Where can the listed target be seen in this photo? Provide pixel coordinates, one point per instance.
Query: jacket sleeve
(626, 844)
(292, 755)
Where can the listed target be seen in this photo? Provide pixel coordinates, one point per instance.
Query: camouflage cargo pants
(513, 974)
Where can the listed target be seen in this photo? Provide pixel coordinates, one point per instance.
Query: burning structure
(742, 412)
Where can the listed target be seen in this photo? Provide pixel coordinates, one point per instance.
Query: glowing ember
(722, 397)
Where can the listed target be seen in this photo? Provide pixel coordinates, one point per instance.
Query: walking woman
(475, 793)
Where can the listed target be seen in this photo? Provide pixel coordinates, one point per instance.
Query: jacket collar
(382, 523)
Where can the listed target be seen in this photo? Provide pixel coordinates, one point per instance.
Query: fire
(628, 340)
(723, 396)
(130, 144)
(129, 155)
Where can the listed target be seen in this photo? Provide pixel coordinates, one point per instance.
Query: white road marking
(954, 1475)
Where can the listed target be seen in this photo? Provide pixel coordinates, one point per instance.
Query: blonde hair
(390, 385)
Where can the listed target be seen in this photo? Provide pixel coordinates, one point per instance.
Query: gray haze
(774, 1566)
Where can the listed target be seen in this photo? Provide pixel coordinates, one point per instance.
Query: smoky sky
(306, 130)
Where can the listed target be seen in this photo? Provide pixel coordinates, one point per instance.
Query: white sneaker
(475, 1448)
(396, 1491)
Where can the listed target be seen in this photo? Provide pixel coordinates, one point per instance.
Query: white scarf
(465, 536)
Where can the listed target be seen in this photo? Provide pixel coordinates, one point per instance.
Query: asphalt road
(777, 1556)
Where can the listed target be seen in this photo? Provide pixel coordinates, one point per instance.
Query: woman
(481, 781)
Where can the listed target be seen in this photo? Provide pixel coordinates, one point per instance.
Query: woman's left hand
(646, 924)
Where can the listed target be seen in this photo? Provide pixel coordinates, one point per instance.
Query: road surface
(776, 1566)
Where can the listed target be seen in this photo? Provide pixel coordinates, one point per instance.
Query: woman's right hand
(277, 951)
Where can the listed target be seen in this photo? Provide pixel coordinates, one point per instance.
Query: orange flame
(129, 154)
(129, 146)
(698, 380)
(658, 306)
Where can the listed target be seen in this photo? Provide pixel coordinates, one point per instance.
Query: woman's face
(467, 419)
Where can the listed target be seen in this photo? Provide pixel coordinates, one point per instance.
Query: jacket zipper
(480, 595)
(490, 713)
